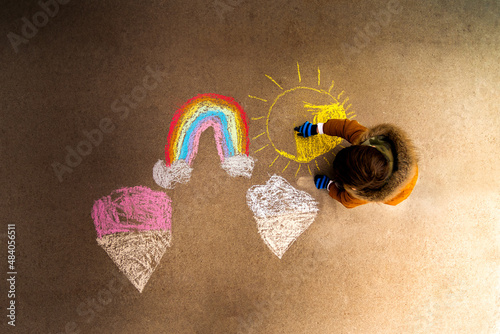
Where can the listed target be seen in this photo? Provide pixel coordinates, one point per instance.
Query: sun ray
(317, 165)
(352, 112)
(349, 106)
(331, 87)
(286, 166)
(263, 133)
(257, 98)
(342, 146)
(328, 162)
(346, 99)
(319, 77)
(297, 170)
(352, 116)
(338, 97)
(274, 81)
(309, 168)
(298, 70)
(257, 118)
(272, 163)
(260, 149)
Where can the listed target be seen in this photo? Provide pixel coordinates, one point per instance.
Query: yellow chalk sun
(292, 107)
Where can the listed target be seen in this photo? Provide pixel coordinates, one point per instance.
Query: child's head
(360, 167)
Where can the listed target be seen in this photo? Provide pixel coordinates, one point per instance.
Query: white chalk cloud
(238, 165)
(168, 176)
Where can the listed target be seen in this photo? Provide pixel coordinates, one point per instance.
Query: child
(379, 166)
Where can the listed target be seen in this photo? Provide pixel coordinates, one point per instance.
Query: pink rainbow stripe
(131, 210)
(219, 140)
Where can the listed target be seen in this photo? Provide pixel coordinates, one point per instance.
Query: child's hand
(306, 130)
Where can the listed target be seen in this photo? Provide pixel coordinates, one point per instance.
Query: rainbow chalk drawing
(282, 213)
(134, 227)
(203, 111)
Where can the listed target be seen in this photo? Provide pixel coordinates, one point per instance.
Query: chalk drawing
(134, 227)
(282, 213)
(290, 101)
(203, 111)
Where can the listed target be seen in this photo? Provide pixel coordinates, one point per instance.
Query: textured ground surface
(425, 266)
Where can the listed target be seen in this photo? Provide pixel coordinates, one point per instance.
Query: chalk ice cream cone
(133, 226)
(282, 213)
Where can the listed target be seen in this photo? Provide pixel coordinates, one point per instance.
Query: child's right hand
(306, 130)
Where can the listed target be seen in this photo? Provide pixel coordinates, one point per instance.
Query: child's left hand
(322, 182)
